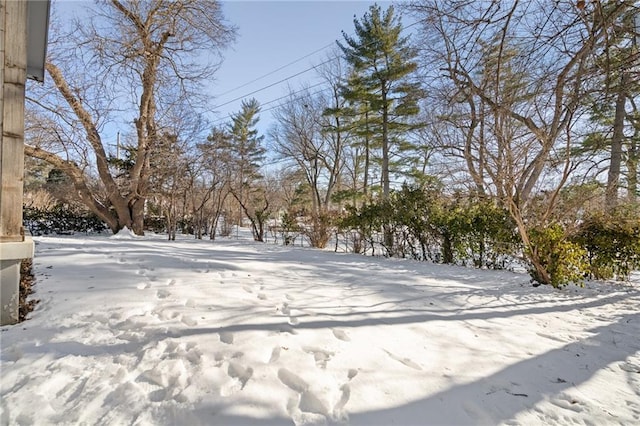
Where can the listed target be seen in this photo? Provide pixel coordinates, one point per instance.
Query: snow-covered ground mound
(152, 332)
(124, 234)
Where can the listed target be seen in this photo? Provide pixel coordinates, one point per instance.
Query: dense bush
(155, 223)
(612, 244)
(413, 213)
(427, 226)
(289, 228)
(362, 224)
(484, 233)
(564, 260)
(62, 219)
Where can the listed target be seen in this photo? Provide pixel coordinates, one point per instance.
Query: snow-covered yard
(150, 332)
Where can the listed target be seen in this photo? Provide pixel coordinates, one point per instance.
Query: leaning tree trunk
(531, 254)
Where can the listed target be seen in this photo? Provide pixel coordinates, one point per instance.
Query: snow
(144, 331)
(124, 234)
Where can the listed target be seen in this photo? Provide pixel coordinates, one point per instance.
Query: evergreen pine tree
(246, 145)
(246, 154)
(383, 62)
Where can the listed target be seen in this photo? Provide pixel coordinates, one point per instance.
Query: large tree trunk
(367, 160)
(633, 155)
(137, 216)
(617, 141)
(388, 234)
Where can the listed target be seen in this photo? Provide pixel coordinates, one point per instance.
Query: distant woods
(479, 134)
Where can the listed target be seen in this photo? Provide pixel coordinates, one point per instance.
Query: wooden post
(13, 71)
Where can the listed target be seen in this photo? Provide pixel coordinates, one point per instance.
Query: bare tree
(517, 77)
(133, 59)
(297, 137)
(336, 122)
(217, 175)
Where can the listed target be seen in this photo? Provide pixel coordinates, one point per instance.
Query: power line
(281, 98)
(288, 77)
(273, 84)
(276, 70)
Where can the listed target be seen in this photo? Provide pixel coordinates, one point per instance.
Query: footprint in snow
(344, 397)
(275, 354)
(237, 371)
(293, 321)
(311, 403)
(307, 401)
(143, 286)
(221, 357)
(292, 380)
(285, 309)
(226, 337)
(320, 356)
(341, 335)
(163, 294)
(352, 373)
(239, 376)
(405, 361)
(166, 315)
(187, 320)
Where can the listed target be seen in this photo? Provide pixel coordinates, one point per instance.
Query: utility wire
(274, 84)
(281, 98)
(276, 70)
(288, 77)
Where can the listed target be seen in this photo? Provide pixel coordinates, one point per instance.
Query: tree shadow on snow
(518, 387)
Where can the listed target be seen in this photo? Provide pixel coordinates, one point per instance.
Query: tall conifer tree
(247, 154)
(383, 62)
(246, 145)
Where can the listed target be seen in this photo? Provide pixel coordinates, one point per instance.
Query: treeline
(475, 135)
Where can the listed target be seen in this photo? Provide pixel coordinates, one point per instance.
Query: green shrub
(564, 260)
(612, 244)
(429, 226)
(483, 233)
(366, 221)
(61, 219)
